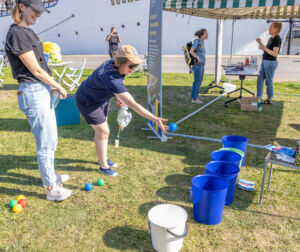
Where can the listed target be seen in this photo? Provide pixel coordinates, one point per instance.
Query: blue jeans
(267, 71)
(198, 70)
(34, 100)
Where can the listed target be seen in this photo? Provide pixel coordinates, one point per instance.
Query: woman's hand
(62, 92)
(159, 121)
(258, 40)
(119, 102)
(199, 60)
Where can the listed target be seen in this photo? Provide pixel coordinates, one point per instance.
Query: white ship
(80, 27)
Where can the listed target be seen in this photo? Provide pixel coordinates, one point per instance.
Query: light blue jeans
(266, 73)
(34, 100)
(198, 70)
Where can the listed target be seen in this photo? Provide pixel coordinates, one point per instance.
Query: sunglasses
(132, 66)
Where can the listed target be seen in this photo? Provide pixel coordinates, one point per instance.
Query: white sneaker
(60, 179)
(58, 193)
(197, 101)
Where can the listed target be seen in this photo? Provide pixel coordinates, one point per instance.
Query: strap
(198, 46)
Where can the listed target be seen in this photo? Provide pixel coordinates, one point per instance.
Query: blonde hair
(277, 26)
(119, 61)
(17, 14)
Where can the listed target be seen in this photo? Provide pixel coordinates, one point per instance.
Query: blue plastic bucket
(208, 193)
(229, 172)
(67, 112)
(227, 156)
(237, 142)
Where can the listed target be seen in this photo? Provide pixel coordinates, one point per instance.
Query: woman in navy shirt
(94, 94)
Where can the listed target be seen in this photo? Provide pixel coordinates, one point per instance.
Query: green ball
(12, 203)
(100, 182)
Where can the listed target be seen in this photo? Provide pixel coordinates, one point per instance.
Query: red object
(247, 62)
(22, 202)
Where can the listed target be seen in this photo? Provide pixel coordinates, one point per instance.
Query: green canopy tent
(217, 9)
(233, 9)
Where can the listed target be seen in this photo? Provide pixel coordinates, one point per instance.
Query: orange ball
(22, 202)
(17, 208)
(20, 197)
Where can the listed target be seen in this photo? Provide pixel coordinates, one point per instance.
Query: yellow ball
(17, 208)
(20, 197)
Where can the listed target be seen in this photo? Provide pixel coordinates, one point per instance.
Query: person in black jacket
(269, 62)
(113, 39)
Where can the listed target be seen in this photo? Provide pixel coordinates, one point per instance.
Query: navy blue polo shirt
(101, 85)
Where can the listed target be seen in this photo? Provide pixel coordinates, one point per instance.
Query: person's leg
(260, 81)
(43, 127)
(201, 75)
(197, 81)
(101, 141)
(270, 70)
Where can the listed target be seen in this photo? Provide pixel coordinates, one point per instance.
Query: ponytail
(17, 14)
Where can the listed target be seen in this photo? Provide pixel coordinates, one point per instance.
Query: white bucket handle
(171, 233)
(179, 236)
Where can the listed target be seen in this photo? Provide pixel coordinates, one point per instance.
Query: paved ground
(288, 66)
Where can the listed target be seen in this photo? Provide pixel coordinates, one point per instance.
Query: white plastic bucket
(167, 225)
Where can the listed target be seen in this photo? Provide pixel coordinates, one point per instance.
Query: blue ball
(173, 127)
(88, 187)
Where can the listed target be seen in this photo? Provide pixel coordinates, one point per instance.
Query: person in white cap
(28, 65)
(94, 94)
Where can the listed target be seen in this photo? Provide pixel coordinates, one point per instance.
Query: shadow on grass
(9, 163)
(128, 238)
(268, 214)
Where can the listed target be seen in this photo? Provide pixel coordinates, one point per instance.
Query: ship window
(138, 23)
(7, 5)
(123, 26)
(101, 29)
(76, 32)
(58, 35)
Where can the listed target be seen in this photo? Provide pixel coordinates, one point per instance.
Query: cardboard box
(249, 104)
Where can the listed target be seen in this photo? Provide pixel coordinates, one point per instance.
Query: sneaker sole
(114, 175)
(61, 199)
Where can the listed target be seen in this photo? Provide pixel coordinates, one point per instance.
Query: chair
(74, 77)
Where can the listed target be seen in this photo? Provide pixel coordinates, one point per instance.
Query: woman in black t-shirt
(25, 54)
(113, 40)
(269, 62)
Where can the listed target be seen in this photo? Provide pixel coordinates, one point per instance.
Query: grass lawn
(114, 217)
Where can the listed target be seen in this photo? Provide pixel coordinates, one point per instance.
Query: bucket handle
(149, 227)
(179, 236)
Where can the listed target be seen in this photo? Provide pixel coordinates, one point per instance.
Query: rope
(66, 19)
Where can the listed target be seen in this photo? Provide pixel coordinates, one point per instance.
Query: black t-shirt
(273, 42)
(18, 41)
(113, 42)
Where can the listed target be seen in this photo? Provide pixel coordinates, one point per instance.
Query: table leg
(270, 175)
(263, 183)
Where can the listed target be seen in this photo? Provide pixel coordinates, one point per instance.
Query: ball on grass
(12, 203)
(88, 187)
(20, 197)
(172, 127)
(22, 202)
(100, 182)
(17, 208)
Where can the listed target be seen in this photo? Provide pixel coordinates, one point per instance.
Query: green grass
(114, 217)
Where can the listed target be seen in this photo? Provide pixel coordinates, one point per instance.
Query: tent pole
(231, 47)
(218, 60)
